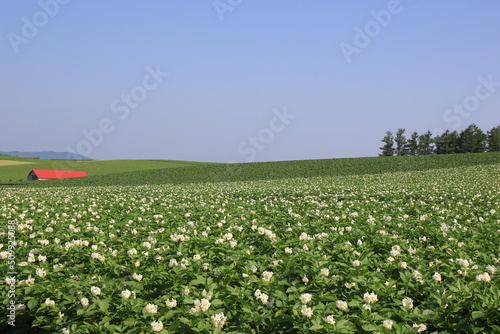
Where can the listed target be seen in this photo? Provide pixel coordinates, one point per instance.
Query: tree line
(470, 140)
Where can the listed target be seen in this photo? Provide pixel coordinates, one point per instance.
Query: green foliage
(472, 140)
(413, 144)
(493, 141)
(446, 143)
(251, 251)
(401, 143)
(425, 143)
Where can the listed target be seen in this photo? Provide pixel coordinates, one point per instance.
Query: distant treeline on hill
(470, 140)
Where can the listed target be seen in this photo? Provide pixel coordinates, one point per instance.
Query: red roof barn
(40, 174)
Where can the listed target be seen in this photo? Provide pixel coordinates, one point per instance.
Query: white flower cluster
(396, 250)
(342, 305)
(370, 298)
(96, 291)
(98, 257)
(179, 237)
(171, 303)
(387, 324)
(330, 320)
(484, 277)
(151, 308)
(421, 327)
(305, 298)
(263, 231)
(407, 303)
(156, 326)
(40, 272)
(200, 306)
(267, 275)
(306, 311)
(76, 243)
(218, 320)
(262, 297)
(463, 263)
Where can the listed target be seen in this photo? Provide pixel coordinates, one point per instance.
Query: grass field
(368, 245)
(16, 169)
(13, 162)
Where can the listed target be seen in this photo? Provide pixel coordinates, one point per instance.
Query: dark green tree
(446, 143)
(472, 140)
(439, 143)
(493, 140)
(388, 148)
(401, 144)
(451, 142)
(412, 144)
(425, 143)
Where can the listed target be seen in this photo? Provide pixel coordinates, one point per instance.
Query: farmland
(203, 173)
(381, 245)
(15, 169)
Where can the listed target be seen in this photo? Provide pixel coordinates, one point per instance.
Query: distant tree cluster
(470, 140)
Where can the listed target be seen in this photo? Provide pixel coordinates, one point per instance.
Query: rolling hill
(202, 173)
(15, 169)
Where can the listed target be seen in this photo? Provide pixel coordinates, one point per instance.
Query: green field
(281, 170)
(367, 245)
(17, 173)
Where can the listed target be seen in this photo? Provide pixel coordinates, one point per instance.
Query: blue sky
(240, 80)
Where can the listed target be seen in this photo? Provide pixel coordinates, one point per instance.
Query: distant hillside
(48, 155)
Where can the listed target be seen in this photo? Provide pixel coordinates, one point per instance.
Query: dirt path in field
(13, 162)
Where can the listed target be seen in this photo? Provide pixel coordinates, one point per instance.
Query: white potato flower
(126, 294)
(387, 324)
(342, 305)
(330, 320)
(267, 275)
(171, 303)
(96, 291)
(218, 320)
(156, 326)
(407, 303)
(151, 308)
(370, 298)
(305, 298)
(49, 302)
(306, 311)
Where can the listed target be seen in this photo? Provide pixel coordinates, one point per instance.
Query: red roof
(57, 174)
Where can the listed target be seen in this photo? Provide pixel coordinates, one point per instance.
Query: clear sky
(241, 80)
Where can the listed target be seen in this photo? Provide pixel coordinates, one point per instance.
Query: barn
(40, 174)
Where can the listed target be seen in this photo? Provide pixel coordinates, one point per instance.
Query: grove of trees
(470, 140)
